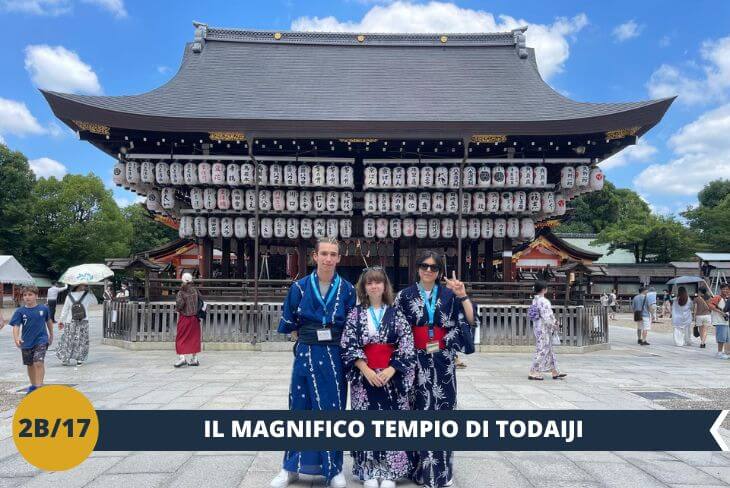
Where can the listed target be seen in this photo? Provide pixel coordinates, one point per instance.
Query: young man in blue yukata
(33, 333)
(315, 312)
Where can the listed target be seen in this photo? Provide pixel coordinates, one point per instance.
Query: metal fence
(500, 325)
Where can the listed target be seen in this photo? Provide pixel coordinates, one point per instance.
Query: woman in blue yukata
(315, 312)
(441, 315)
(379, 362)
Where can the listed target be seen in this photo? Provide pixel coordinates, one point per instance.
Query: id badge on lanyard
(430, 304)
(325, 333)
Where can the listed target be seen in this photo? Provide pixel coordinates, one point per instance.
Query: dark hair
(373, 274)
(642, 289)
(725, 285)
(539, 286)
(703, 292)
(436, 257)
(682, 296)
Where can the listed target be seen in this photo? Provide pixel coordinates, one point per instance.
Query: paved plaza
(115, 378)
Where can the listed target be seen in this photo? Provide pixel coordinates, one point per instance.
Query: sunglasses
(429, 267)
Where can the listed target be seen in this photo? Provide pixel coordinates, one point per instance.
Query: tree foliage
(16, 203)
(710, 220)
(146, 233)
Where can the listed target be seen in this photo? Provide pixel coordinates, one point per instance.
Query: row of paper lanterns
(445, 228)
(472, 203)
(280, 227)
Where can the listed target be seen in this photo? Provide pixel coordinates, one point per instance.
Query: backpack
(78, 312)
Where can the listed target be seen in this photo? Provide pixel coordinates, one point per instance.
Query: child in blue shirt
(33, 333)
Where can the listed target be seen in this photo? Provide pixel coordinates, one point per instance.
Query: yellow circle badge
(55, 428)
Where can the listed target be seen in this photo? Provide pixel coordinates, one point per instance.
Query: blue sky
(597, 52)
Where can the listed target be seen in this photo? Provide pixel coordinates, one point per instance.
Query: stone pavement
(118, 378)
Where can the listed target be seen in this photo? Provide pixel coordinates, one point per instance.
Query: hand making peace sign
(455, 285)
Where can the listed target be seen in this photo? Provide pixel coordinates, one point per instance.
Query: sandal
(536, 378)
(559, 376)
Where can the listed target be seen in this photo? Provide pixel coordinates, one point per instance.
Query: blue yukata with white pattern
(317, 381)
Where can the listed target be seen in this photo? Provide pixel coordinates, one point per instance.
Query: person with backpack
(642, 315)
(190, 307)
(74, 324)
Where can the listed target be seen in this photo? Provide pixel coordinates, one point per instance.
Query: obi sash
(378, 355)
(420, 336)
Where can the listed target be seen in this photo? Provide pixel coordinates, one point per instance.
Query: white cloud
(701, 154)
(163, 69)
(116, 7)
(549, 40)
(47, 167)
(641, 152)
(2, 140)
(627, 30)
(127, 199)
(16, 119)
(37, 7)
(56, 68)
(710, 84)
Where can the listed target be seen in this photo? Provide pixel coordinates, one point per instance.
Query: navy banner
(459, 430)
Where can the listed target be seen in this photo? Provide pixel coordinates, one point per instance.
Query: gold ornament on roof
(359, 139)
(488, 138)
(92, 127)
(227, 136)
(360, 38)
(277, 36)
(443, 39)
(621, 133)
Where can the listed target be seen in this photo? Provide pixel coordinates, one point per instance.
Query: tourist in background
(187, 339)
(642, 315)
(702, 314)
(613, 303)
(52, 297)
(682, 318)
(108, 292)
(667, 301)
(74, 326)
(720, 319)
(652, 302)
(546, 329)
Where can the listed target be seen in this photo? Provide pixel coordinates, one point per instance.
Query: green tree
(146, 233)
(593, 212)
(710, 218)
(77, 221)
(16, 201)
(713, 193)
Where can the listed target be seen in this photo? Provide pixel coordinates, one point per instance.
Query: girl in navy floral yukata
(379, 362)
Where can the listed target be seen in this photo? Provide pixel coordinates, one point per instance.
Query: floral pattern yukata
(435, 387)
(543, 325)
(394, 330)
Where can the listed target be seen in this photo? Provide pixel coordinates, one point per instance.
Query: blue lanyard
(331, 292)
(377, 320)
(430, 305)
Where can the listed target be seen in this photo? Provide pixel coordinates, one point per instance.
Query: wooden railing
(500, 325)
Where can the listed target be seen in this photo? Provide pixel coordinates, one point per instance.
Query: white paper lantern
(264, 200)
(319, 228)
(218, 173)
(527, 176)
(413, 177)
(224, 198)
(333, 228)
(196, 198)
(370, 203)
(487, 228)
(427, 180)
(233, 174)
(484, 177)
(438, 203)
(278, 200)
(292, 228)
(561, 204)
(421, 228)
(153, 201)
(424, 202)
(399, 177)
(200, 226)
(396, 228)
(519, 202)
(290, 175)
(597, 179)
(479, 203)
(381, 228)
(227, 227)
(397, 203)
(371, 177)
(147, 172)
(454, 176)
(409, 227)
(204, 173)
(411, 202)
(333, 201)
(304, 176)
(267, 228)
(506, 202)
(548, 202)
(251, 199)
(132, 172)
(280, 227)
(500, 228)
(567, 177)
(318, 175)
(332, 175)
(119, 174)
(240, 225)
(462, 228)
(262, 173)
(368, 228)
(305, 228)
(512, 177)
(247, 174)
(513, 228)
(540, 176)
(452, 202)
(186, 226)
(493, 200)
(441, 177)
(527, 229)
(238, 199)
(475, 228)
(346, 201)
(305, 201)
(434, 228)
(534, 201)
(345, 228)
(319, 201)
(167, 198)
(347, 178)
(177, 176)
(210, 198)
(498, 176)
(582, 176)
(292, 200)
(253, 230)
(470, 177)
(383, 203)
(276, 175)
(466, 203)
(190, 173)
(447, 228)
(214, 226)
(385, 177)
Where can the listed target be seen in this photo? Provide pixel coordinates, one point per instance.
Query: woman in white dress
(682, 318)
